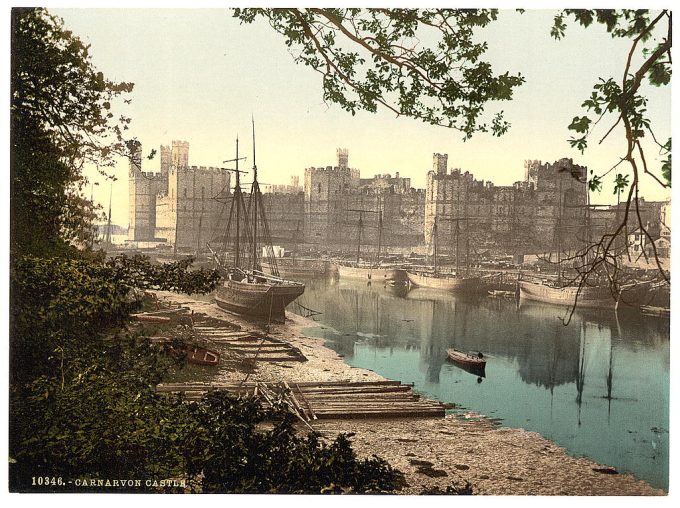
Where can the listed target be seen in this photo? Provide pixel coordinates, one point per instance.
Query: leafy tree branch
(420, 63)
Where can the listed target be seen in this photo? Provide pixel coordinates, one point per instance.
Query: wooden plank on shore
(152, 319)
(420, 413)
(303, 384)
(309, 407)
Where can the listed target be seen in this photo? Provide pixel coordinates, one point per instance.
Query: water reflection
(598, 386)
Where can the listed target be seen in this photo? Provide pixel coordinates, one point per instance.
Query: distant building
(182, 205)
(293, 188)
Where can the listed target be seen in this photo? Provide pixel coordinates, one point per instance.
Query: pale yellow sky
(199, 75)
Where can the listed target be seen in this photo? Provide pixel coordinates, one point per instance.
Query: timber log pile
(325, 400)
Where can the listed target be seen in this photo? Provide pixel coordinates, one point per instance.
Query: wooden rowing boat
(474, 361)
(201, 356)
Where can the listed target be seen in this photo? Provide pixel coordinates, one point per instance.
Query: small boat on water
(476, 361)
(201, 356)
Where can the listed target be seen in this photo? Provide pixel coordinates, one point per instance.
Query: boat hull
(368, 273)
(466, 360)
(445, 283)
(591, 297)
(300, 268)
(266, 301)
(201, 356)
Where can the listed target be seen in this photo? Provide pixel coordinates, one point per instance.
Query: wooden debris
(326, 400)
(151, 318)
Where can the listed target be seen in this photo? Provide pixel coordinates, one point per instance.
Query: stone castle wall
(187, 206)
(522, 218)
(180, 205)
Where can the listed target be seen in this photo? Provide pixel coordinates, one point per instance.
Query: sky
(199, 75)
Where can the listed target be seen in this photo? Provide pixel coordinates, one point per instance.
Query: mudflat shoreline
(433, 453)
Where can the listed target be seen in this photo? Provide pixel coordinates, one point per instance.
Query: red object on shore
(476, 361)
(201, 356)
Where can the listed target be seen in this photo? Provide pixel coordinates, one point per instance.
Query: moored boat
(444, 282)
(469, 360)
(372, 273)
(299, 267)
(586, 296)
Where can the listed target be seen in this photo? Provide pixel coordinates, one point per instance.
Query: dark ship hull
(263, 300)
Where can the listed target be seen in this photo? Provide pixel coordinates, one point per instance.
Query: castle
(527, 216)
(182, 205)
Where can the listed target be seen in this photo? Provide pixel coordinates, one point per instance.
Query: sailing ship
(445, 281)
(554, 291)
(366, 270)
(246, 289)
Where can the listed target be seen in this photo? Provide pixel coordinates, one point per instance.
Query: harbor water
(598, 386)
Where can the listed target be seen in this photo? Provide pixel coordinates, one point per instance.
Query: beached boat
(201, 356)
(469, 360)
(246, 289)
(257, 294)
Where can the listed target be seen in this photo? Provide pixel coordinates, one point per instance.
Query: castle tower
(142, 190)
(440, 163)
(136, 158)
(166, 160)
(180, 154)
(531, 168)
(343, 158)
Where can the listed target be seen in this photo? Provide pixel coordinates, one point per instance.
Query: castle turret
(166, 160)
(440, 163)
(180, 154)
(343, 158)
(135, 158)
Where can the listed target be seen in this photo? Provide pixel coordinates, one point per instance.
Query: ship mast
(361, 227)
(255, 197)
(434, 233)
(238, 201)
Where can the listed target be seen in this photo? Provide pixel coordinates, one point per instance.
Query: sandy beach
(434, 453)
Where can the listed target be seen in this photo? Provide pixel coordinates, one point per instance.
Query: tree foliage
(419, 63)
(61, 115)
(83, 403)
(622, 101)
